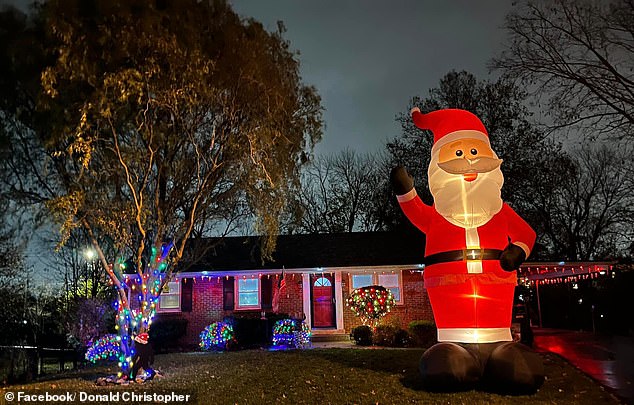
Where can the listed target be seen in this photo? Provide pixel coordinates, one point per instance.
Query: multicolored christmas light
(107, 347)
(144, 289)
(291, 333)
(301, 337)
(371, 303)
(217, 336)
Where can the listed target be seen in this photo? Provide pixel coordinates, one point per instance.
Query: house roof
(314, 251)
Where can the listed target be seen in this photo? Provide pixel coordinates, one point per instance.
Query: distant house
(319, 272)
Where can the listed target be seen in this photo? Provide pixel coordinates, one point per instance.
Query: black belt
(463, 255)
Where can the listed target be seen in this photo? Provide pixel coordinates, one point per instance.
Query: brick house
(319, 272)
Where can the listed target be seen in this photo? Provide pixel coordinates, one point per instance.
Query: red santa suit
(472, 300)
(471, 295)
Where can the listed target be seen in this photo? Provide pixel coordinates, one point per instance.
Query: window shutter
(266, 292)
(187, 289)
(227, 294)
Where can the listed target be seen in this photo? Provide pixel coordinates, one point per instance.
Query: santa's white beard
(463, 203)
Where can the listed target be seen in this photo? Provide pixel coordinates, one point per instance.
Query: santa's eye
(458, 153)
(474, 151)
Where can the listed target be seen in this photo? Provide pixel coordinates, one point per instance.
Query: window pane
(388, 280)
(322, 282)
(396, 292)
(248, 299)
(169, 301)
(361, 280)
(248, 285)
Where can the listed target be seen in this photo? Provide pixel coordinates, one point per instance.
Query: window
(170, 298)
(390, 281)
(361, 280)
(322, 282)
(248, 293)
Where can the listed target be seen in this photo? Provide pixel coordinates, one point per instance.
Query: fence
(24, 363)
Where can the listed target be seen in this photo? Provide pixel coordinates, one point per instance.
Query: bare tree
(577, 57)
(582, 205)
(336, 194)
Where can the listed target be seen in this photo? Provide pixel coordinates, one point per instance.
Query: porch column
(306, 298)
(339, 300)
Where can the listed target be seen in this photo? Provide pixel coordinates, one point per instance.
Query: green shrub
(402, 338)
(164, 334)
(362, 335)
(423, 333)
(390, 336)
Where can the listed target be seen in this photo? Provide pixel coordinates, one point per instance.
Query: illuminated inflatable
(474, 244)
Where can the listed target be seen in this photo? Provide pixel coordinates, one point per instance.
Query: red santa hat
(142, 338)
(450, 125)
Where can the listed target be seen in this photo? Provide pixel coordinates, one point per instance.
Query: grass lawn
(318, 376)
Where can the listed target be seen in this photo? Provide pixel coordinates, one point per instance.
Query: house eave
(305, 270)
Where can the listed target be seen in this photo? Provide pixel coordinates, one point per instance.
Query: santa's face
(465, 180)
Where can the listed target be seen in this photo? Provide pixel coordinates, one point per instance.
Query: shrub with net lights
(292, 333)
(371, 303)
(107, 347)
(217, 336)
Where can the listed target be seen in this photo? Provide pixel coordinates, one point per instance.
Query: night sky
(368, 58)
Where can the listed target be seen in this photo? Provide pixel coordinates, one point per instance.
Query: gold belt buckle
(472, 254)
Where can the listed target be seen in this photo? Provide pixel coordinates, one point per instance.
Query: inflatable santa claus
(474, 244)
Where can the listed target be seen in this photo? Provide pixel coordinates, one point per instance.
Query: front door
(323, 300)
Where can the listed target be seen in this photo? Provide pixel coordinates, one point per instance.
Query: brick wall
(207, 305)
(416, 305)
(291, 301)
(206, 309)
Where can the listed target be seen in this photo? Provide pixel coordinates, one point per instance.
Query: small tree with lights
(371, 303)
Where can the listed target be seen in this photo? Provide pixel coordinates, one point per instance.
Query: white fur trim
(407, 196)
(473, 242)
(475, 335)
(524, 247)
(462, 134)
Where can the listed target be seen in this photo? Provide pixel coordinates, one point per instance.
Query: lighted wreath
(371, 303)
(107, 347)
(217, 336)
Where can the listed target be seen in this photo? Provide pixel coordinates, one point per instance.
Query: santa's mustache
(464, 166)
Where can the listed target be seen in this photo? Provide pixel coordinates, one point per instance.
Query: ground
(318, 376)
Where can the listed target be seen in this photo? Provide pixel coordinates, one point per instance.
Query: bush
(371, 303)
(251, 332)
(423, 333)
(217, 336)
(164, 334)
(107, 347)
(362, 335)
(390, 336)
(292, 333)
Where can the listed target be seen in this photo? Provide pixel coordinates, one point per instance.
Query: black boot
(447, 367)
(513, 368)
